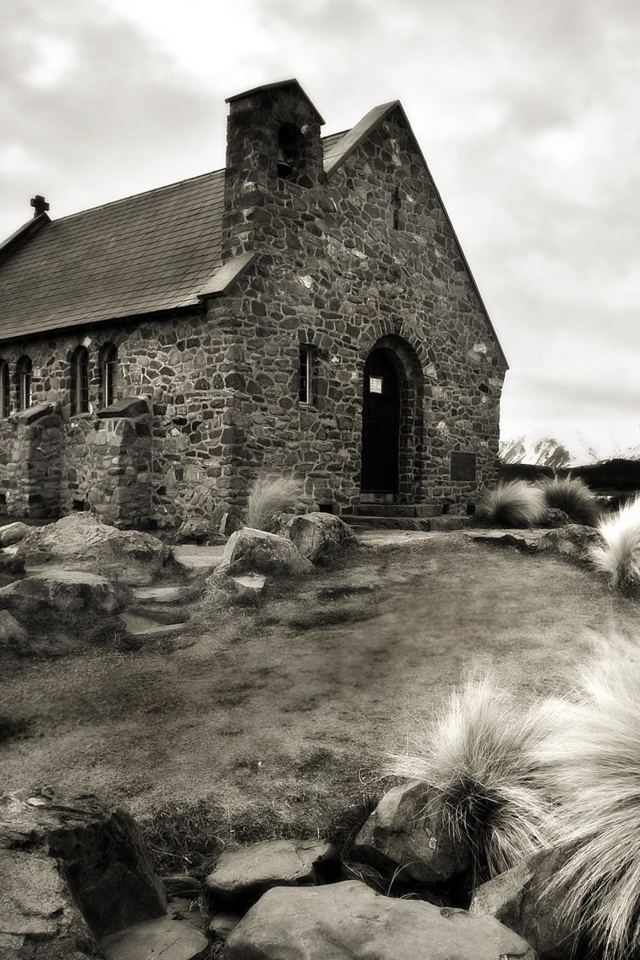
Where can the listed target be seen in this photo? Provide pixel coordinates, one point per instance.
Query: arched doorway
(380, 425)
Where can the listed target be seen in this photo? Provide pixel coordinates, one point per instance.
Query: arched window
(108, 374)
(24, 373)
(80, 381)
(5, 390)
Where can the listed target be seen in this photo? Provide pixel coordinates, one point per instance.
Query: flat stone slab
(138, 626)
(349, 921)
(195, 560)
(246, 873)
(167, 594)
(166, 938)
(61, 589)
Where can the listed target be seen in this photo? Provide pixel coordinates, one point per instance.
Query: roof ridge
(143, 193)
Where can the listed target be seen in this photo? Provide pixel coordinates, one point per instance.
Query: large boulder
(254, 551)
(319, 536)
(406, 837)
(99, 854)
(349, 921)
(62, 590)
(244, 875)
(82, 542)
(520, 899)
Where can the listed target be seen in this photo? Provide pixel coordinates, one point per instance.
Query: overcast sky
(526, 110)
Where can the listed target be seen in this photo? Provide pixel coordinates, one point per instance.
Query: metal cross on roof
(39, 205)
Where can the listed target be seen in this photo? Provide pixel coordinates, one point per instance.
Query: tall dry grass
(481, 754)
(270, 496)
(573, 496)
(591, 762)
(619, 554)
(514, 503)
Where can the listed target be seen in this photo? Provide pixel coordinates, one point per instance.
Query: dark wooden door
(380, 419)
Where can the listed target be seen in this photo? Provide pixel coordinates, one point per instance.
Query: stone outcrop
(55, 588)
(167, 938)
(254, 551)
(80, 541)
(72, 872)
(319, 536)
(348, 920)
(406, 837)
(243, 875)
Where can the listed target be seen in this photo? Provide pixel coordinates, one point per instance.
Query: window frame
(305, 375)
(5, 390)
(24, 383)
(80, 393)
(108, 374)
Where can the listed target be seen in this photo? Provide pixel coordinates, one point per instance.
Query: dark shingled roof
(153, 251)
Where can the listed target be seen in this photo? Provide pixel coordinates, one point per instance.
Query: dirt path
(301, 698)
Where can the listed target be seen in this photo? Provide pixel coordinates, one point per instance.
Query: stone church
(306, 311)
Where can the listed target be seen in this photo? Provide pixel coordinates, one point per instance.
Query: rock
(138, 625)
(38, 915)
(574, 540)
(163, 594)
(60, 589)
(101, 857)
(407, 831)
(11, 632)
(525, 540)
(12, 532)
(223, 923)
(195, 561)
(554, 517)
(11, 566)
(230, 524)
(244, 875)
(82, 542)
(249, 586)
(319, 536)
(194, 530)
(182, 885)
(517, 898)
(254, 551)
(168, 938)
(349, 921)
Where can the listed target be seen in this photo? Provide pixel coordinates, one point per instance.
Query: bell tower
(274, 155)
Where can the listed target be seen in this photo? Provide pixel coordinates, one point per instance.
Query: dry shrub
(592, 759)
(619, 555)
(270, 496)
(573, 497)
(514, 503)
(480, 754)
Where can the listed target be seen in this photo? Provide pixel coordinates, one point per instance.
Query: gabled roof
(150, 252)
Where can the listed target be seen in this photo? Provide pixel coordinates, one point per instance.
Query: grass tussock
(573, 497)
(592, 760)
(618, 557)
(514, 503)
(481, 756)
(271, 496)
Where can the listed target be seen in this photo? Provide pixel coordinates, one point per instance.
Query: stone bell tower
(274, 156)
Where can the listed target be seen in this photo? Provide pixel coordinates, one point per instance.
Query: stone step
(141, 626)
(197, 561)
(432, 524)
(166, 594)
(395, 510)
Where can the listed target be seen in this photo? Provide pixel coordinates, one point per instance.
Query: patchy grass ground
(275, 720)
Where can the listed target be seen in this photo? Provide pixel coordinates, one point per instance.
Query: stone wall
(365, 258)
